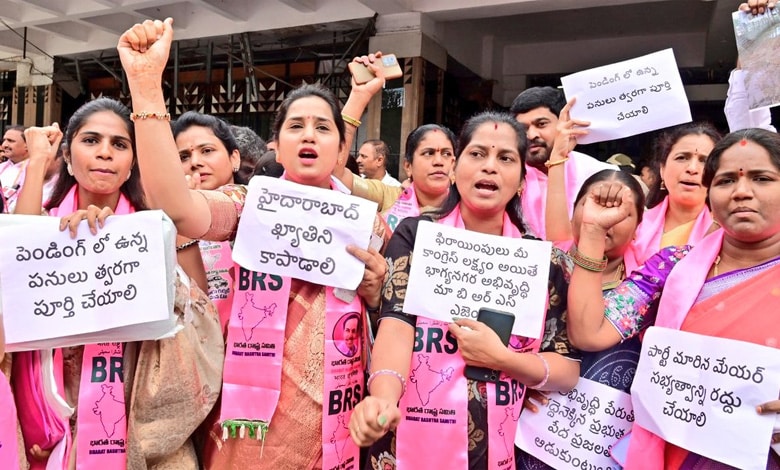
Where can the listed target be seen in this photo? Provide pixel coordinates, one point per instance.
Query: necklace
(617, 279)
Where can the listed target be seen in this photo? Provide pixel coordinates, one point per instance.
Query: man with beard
(538, 109)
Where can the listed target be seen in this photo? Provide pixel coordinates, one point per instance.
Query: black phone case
(501, 323)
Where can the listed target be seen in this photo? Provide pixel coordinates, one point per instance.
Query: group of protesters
(707, 234)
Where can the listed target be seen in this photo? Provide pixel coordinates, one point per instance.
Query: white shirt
(390, 181)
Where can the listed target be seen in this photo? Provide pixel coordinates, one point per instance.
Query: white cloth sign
(456, 272)
(701, 392)
(113, 286)
(629, 97)
(577, 429)
(758, 39)
(302, 232)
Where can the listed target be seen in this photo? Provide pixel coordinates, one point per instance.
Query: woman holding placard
(483, 199)
(310, 408)
(724, 286)
(171, 377)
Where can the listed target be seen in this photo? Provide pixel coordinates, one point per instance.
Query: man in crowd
(372, 162)
(538, 109)
(12, 170)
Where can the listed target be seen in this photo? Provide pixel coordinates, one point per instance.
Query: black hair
(770, 141)
(538, 97)
(622, 177)
(414, 138)
(305, 91)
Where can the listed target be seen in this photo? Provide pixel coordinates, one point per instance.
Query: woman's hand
(478, 344)
(43, 143)
(144, 48)
(371, 87)
(606, 205)
(757, 7)
(95, 216)
(371, 419)
(373, 275)
(770, 407)
(532, 397)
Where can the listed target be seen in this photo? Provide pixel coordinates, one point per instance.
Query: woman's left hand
(373, 274)
(478, 344)
(770, 407)
(94, 215)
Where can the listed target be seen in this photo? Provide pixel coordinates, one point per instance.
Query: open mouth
(486, 186)
(308, 154)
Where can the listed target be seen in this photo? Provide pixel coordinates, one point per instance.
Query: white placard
(456, 272)
(302, 232)
(577, 429)
(701, 392)
(56, 287)
(758, 39)
(628, 98)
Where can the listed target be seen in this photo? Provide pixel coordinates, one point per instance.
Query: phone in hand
(363, 74)
(501, 323)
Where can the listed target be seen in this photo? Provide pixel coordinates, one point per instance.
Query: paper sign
(456, 272)
(628, 98)
(701, 392)
(302, 232)
(59, 287)
(758, 39)
(577, 429)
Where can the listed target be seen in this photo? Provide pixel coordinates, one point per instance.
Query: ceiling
(500, 40)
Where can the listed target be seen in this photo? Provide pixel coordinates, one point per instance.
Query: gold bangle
(549, 164)
(146, 115)
(586, 262)
(350, 120)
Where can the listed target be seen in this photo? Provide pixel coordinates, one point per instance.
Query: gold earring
(70, 169)
(235, 169)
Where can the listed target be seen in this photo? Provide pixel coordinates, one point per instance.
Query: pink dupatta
(649, 232)
(646, 450)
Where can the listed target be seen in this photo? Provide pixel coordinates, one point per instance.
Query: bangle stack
(549, 163)
(586, 262)
(187, 244)
(395, 374)
(546, 373)
(350, 120)
(143, 115)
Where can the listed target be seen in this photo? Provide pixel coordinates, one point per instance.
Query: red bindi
(741, 172)
(495, 126)
(743, 142)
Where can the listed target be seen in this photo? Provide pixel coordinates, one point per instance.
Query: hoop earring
(70, 169)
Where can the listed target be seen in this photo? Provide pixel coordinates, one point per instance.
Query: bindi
(495, 126)
(743, 142)
(741, 172)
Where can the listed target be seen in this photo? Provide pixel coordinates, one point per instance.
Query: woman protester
(722, 287)
(614, 366)
(210, 159)
(677, 213)
(483, 199)
(282, 420)
(170, 385)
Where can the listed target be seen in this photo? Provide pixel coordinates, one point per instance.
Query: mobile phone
(501, 323)
(363, 74)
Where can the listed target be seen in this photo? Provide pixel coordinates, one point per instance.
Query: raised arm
(606, 205)
(42, 146)
(143, 50)
(557, 222)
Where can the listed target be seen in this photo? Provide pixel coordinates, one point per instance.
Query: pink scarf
(646, 450)
(253, 365)
(534, 198)
(405, 206)
(435, 405)
(101, 422)
(9, 446)
(649, 232)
